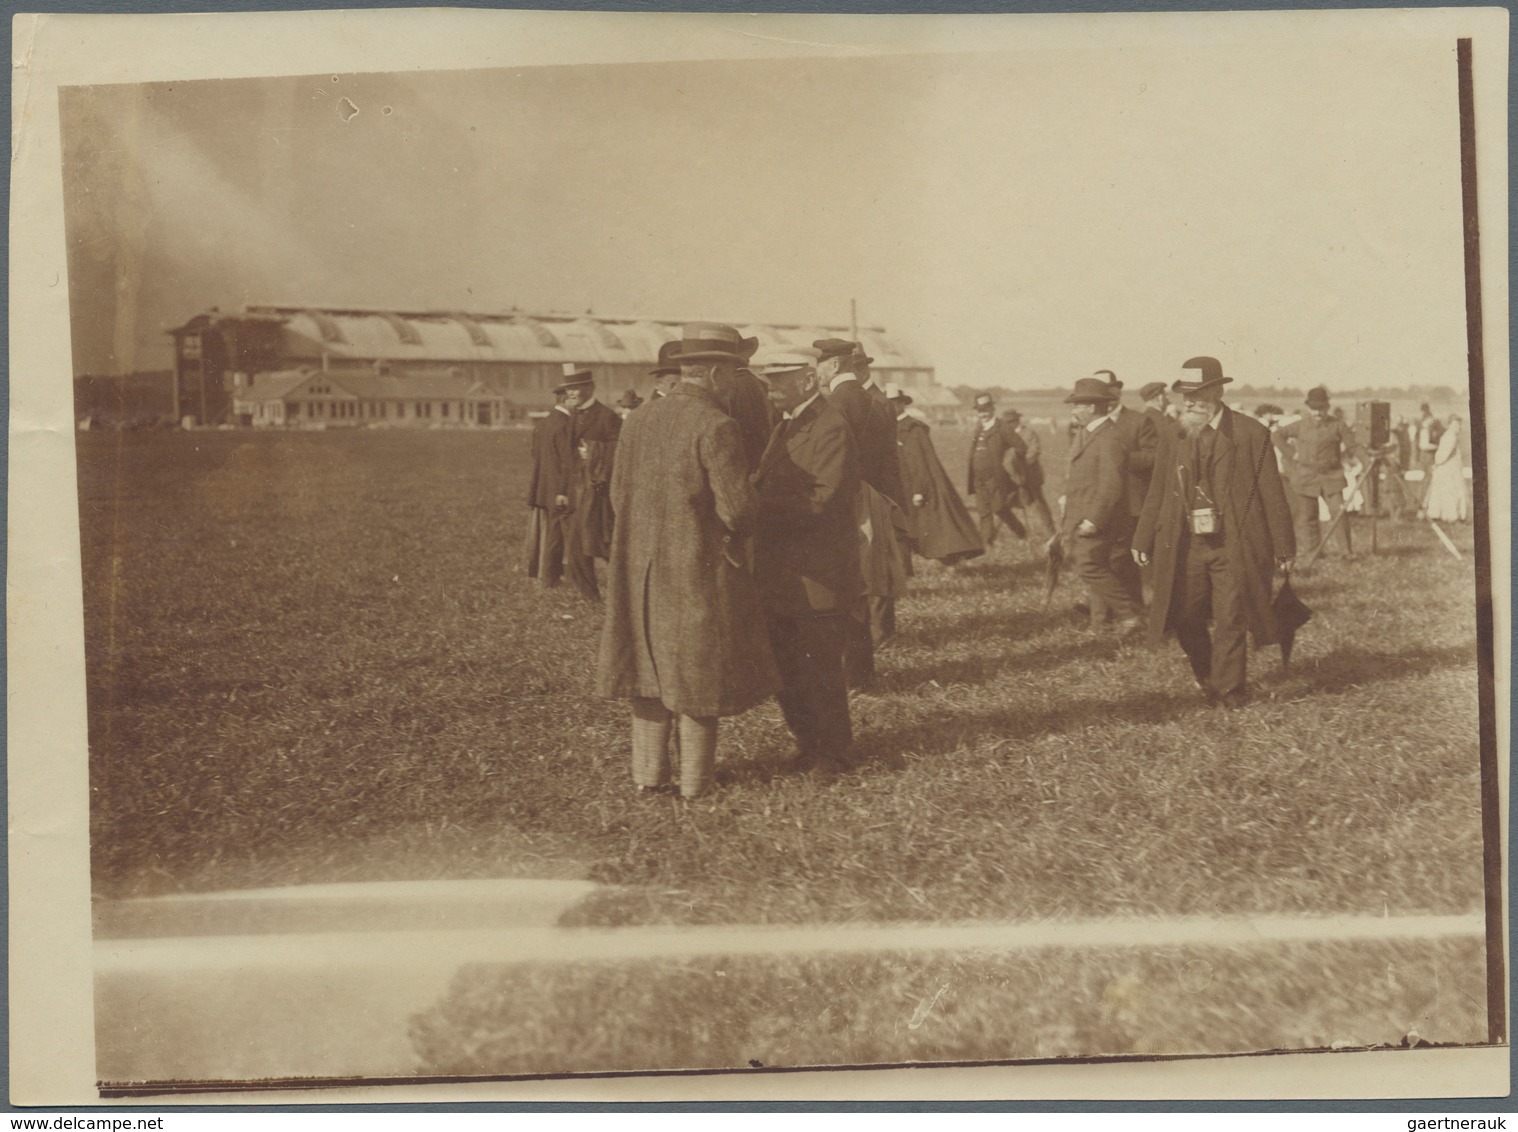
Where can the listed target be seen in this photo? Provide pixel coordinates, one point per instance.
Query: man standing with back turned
(1217, 526)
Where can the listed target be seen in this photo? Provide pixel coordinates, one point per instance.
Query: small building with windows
(296, 366)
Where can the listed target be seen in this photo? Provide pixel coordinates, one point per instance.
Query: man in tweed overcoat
(681, 603)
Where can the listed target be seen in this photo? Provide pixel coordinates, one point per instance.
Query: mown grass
(726, 1012)
(313, 657)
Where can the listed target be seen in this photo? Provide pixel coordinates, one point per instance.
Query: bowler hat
(1091, 391)
(1317, 397)
(781, 360)
(894, 392)
(1152, 390)
(666, 352)
(984, 401)
(1212, 374)
(713, 342)
(835, 348)
(629, 400)
(860, 358)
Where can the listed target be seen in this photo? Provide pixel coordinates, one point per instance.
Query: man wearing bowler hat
(666, 374)
(682, 607)
(1314, 447)
(806, 556)
(1096, 505)
(998, 465)
(1216, 526)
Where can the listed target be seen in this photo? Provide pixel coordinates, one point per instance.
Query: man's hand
(1286, 564)
(1086, 527)
(1140, 557)
(918, 500)
(561, 502)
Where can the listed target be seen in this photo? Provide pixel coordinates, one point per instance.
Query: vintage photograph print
(852, 557)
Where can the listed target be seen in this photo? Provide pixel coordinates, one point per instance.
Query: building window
(446, 407)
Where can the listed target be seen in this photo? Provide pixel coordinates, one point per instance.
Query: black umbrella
(1291, 615)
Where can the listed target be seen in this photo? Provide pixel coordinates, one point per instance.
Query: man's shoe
(1128, 627)
(1209, 697)
(1235, 700)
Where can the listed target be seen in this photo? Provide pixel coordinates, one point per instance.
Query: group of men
(748, 549)
(758, 514)
(1198, 502)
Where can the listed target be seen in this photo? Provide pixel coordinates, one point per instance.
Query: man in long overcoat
(1031, 490)
(940, 524)
(596, 428)
(806, 558)
(1216, 525)
(1141, 439)
(682, 606)
(548, 491)
(1096, 504)
(997, 467)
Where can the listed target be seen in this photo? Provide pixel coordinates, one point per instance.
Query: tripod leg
(1339, 518)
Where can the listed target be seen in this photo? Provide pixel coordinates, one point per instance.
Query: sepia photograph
(770, 543)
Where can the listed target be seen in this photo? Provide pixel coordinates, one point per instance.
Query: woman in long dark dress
(941, 525)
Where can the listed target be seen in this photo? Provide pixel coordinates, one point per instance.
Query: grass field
(312, 657)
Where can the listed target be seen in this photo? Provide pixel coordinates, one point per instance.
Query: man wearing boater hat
(1314, 447)
(683, 639)
(596, 427)
(1216, 526)
(806, 557)
(1096, 505)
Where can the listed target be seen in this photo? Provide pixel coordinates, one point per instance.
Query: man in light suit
(1096, 504)
(806, 555)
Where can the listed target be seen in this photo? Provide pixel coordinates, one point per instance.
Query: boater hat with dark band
(782, 360)
(713, 342)
(574, 377)
(1212, 374)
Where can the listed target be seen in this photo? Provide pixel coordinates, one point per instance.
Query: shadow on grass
(1346, 668)
(987, 667)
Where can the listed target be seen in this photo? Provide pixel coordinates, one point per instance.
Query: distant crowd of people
(759, 514)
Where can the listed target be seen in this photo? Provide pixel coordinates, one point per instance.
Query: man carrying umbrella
(1217, 526)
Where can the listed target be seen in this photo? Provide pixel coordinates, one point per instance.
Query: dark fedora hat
(1110, 376)
(860, 357)
(1091, 391)
(895, 392)
(1212, 375)
(835, 348)
(1152, 390)
(666, 352)
(712, 342)
(1317, 397)
(629, 400)
(574, 377)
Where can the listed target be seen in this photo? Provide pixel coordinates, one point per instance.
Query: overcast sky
(1018, 218)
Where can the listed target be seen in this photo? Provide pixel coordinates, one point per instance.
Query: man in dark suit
(806, 555)
(998, 465)
(548, 490)
(1141, 439)
(1217, 526)
(596, 427)
(1096, 504)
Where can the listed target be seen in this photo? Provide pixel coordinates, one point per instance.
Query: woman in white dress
(1446, 488)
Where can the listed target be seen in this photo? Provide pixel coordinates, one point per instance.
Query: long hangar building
(302, 366)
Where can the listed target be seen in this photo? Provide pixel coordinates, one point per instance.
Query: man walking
(596, 427)
(997, 466)
(1032, 488)
(806, 558)
(1315, 446)
(682, 605)
(1096, 505)
(1217, 526)
(1141, 438)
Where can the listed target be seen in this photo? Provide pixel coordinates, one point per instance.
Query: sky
(1017, 218)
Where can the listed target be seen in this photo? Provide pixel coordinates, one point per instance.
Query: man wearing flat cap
(806, 557)
(682, 603)
(596, 427)
(1314, 448)
(998, 465)
(1096, 505)
(1216, 526)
